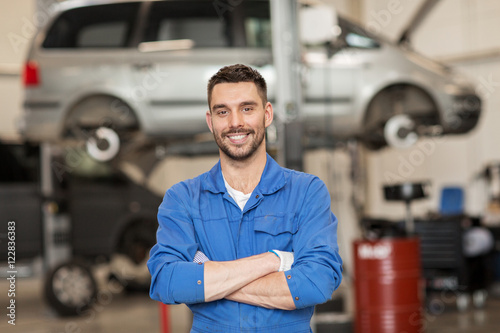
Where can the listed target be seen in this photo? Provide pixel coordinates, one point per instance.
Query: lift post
(56, 224)
(287, 62)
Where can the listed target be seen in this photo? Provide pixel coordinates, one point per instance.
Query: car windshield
(355, 36)
(210, 23)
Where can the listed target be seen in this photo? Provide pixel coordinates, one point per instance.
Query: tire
(137, 239)
(129, 262)
(70, 288)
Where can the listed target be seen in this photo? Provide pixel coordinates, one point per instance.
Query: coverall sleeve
(175, 278)
(317, 269)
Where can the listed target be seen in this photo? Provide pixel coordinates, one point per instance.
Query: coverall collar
(272, 179)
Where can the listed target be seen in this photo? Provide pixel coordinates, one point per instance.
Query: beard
(244, 151)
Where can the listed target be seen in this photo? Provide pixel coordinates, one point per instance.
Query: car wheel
(129, 262)
(70, 288)
(106, 124)
(398, 100)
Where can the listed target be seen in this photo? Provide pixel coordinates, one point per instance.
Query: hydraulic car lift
(56, 224)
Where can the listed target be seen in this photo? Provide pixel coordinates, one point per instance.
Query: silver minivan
(117, 69)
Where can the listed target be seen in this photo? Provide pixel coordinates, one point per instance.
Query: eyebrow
(244, 103)
(251, 103)
(218, 106)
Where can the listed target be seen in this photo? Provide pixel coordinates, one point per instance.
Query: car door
(184, 43)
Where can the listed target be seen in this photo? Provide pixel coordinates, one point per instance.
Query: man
(216, 230)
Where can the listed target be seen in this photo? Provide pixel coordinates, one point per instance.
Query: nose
(236, 120)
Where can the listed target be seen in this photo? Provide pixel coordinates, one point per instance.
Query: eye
(247, 109)
(222, 112)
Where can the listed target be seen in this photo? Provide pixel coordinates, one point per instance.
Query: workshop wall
(461, 34)
(17, 26)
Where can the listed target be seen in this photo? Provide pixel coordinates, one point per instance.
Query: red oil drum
(388, 286)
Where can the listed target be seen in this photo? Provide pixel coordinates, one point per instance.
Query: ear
(269, 114)
(208, 117)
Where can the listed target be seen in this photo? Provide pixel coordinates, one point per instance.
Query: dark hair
(235, 74)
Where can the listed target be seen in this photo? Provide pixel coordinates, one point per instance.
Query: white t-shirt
(240, 197)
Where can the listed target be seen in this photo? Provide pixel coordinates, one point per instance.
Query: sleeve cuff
(190, 286)
(292, 277)
(303, 290)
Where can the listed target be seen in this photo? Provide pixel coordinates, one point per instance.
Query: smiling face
(238, 118)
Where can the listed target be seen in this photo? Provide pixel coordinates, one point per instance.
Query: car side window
(111, 34)
(185, 20)
(206, 24)
(102, 26)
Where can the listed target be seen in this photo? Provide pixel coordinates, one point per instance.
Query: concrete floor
(113, 312)
(137, 313)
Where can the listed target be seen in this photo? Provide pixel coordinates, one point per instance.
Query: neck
(245, 175)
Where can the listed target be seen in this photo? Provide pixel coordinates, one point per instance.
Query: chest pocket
(275, 232)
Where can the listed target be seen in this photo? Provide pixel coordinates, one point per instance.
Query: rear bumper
(40, 124)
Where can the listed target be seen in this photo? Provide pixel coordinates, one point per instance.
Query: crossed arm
(254, 280)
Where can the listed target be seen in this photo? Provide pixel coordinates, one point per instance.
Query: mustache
(238, 131)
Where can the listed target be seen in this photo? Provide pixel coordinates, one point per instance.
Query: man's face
(238, 119)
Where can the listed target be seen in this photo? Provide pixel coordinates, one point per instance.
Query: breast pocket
(275, 232)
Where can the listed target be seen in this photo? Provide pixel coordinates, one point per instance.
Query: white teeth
(237, 137)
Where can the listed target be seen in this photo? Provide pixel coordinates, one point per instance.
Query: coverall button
(297, 298)
(288, 277)
(257, 196)
(199, 282)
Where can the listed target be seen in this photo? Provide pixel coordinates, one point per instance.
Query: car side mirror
(318, 25)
